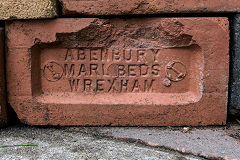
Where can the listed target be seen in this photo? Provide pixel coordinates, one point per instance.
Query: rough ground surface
(121, 143)
(212, 143)
(74, 143)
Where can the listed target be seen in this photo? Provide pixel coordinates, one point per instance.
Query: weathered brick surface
(121, 7)
(234, 95)
(27, 9)
(3, 109)
(119, 72)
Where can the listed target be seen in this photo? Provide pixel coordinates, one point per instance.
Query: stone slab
(66, 143)
(120, 7)
(3, 109)
(137, 143)
(234, 95)
(210, 142)
(119, 72)
(28, 9)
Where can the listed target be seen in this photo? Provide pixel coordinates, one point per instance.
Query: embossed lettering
(73, 84)
(69, 55)
(155, 52)
(127, 55)
(69, 70)
(148, 86)
(87, 84)
(115, 70)
(93, 55)
(141, 55)
(81, 55)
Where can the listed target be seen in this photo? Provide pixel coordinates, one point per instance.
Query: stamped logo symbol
(176, 71)
(53, 71)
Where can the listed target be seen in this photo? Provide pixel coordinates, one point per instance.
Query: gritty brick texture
(3, 109)
(121, 7)
(27, 9)
(119, 72)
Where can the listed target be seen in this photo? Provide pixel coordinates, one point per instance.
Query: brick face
(119, 72)
(120, 7)
(3, 109)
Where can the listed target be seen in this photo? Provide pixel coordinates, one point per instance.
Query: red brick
(121, 7)
(3, 109)
(45, 59)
